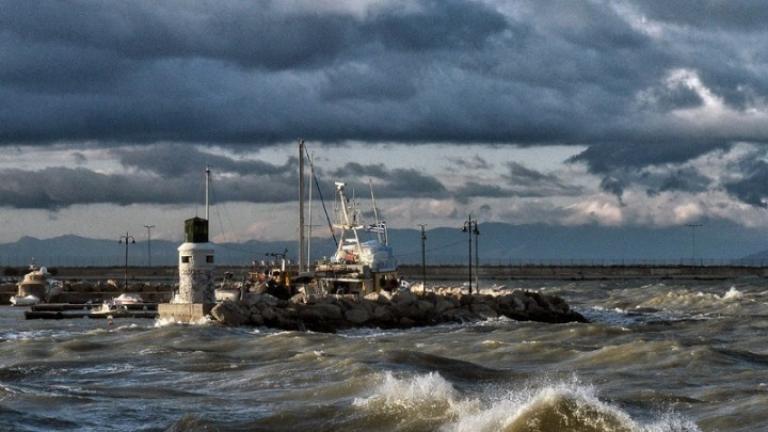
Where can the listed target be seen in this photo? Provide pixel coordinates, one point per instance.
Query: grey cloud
(751, 187)
(738, 15)
(520, 182)
(535, 183)
(454, 71)
(478, 190)
(475, 162)
(687, 180)
(614, 186)
(266, 34)
(669, 178)
(171, 160)
(79, 158)
(54, 188)
(391, 183)
(605, 158)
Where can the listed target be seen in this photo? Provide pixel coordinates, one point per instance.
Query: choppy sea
(666, 356)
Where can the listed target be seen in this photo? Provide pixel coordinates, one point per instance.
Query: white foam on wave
(164, 322)
(732, 294)
(534, 407)
(429, 396)
(407, 392)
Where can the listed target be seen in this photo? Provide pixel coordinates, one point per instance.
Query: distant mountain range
(499, 243)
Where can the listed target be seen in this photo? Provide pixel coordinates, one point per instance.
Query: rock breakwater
(401, 310)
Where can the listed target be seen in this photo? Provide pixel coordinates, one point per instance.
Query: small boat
(36, 287)
(228, 289)
(127, 298)
(118, 303)
(27, 300)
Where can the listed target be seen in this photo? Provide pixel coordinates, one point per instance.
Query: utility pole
(423, 257)
(149, 244)
(302, 258)
(693, 227)
(468, 229)
(476, 232)
(128, 239)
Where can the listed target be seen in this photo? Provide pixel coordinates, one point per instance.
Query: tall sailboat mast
(302, 258)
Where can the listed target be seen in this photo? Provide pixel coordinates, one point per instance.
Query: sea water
(667, 356)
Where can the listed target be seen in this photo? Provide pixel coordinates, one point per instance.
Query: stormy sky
(621, 113)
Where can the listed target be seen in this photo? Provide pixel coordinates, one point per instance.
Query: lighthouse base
(188, 313)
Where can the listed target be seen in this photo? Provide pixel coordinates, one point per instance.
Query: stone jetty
(402, 309)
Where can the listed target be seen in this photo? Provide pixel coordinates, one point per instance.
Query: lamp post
(470, 227)
(423, 257)
(149, 244)
(476, 232)
(127, 238)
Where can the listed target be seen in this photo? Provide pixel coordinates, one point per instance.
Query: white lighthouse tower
(196, 258)
(196, 264)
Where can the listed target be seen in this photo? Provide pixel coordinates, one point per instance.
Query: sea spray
(535, 407)
(164, 322)
(732, 294)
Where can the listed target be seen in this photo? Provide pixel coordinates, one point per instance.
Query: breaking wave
(689, 300)
(429, 401)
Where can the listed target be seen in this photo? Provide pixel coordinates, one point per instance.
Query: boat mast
(302, 262)
(375, 212)
(207, 193)
(346, 223)
(309, 227)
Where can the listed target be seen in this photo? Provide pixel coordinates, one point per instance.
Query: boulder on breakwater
(402, 310)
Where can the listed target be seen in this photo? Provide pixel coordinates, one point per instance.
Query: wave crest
(428, 401)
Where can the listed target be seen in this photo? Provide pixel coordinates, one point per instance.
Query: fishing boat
(358, 266)
(35, 287)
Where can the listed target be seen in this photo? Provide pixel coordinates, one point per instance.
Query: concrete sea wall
(584, 272)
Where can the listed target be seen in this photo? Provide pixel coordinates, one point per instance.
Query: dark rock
(357, 315)
(406, 309)
(231, 313)
(483, 310)
(321, 312)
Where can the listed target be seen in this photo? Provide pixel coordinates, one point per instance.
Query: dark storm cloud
(521, 182)
(79, 158)
(53, 188)
(734, 15)
(453, 71)
(614, 186)
(264, 34)
(170, 175)
(391, 183)
(686, 180)
(670, 178)
(604, 158)
(535, 183)
(751, 188)
(172, 160)
(475, 162)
